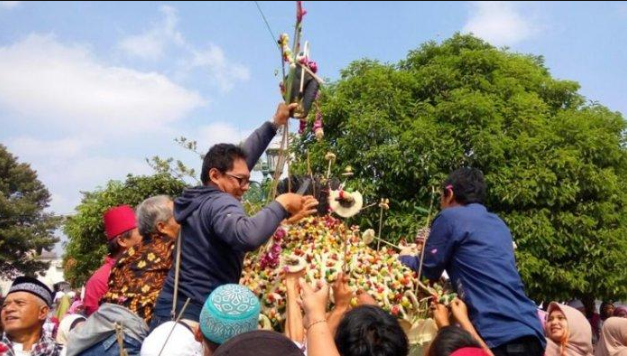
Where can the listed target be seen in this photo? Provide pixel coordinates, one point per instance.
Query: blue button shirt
(475, 248)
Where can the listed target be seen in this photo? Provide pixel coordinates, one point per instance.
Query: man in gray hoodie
(215, 230)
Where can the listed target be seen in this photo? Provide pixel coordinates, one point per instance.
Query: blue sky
(88, 90)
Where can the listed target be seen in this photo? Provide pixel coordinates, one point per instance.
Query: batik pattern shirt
(139, 274)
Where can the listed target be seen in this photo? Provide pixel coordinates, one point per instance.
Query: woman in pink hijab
(568, 332)
(621, 311)
(613, 338)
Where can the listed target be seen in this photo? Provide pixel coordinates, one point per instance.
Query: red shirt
(97, 286)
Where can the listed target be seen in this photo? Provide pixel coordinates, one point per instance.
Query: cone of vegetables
(321, 246)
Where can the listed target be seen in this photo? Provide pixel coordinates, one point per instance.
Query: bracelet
(315, 322)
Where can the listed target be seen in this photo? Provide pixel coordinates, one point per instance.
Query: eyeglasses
(242, 181)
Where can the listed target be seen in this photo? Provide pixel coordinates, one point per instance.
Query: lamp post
(272, 157)
(265, 170)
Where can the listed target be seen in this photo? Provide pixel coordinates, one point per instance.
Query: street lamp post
(272, 156)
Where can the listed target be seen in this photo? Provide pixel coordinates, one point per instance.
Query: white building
(53, 275)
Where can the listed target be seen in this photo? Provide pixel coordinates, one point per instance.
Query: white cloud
(500, 22)
(9, 4)
(214, 61)
(66, 168)
(152, 44)
(218, 132)
(36, 149)
(50, 83)
(83, 119)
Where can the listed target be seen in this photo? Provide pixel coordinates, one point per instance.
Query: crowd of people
(169, 284)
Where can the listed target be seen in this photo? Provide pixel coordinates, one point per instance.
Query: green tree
(86, 247)
(25, 229)
(556, 166)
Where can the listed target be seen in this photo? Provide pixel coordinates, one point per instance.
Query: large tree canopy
(86, 248)
(25, 229)
(556, 166)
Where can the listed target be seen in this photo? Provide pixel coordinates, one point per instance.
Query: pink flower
(302, 127)
(279, 234)
(317, 125)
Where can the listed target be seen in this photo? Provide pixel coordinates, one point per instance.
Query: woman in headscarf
(606, 311)
(621, 311)
(77, 307)
(568, 332)
(613, 338)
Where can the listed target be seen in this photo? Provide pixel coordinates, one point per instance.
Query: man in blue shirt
(475, 247)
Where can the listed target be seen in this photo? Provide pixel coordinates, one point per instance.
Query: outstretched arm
(460, 312)
(258, 141)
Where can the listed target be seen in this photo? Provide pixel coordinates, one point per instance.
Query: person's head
(557, 326)
(621, 312)
(229, 310)
(613, 339)
(568, 328)
(121, 229)
(450, 339)
(470, 351)
(225, 167)
(155, 215)
(26, 307)
(606, 310)
(259, 343)
(369, 330)
(172, 339)
(462, 187)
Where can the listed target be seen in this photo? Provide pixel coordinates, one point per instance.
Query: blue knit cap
(230, 310)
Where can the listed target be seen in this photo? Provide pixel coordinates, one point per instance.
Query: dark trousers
(524, 346)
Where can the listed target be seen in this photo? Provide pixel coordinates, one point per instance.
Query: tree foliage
(556, 166)
(25, 228)
(86, 247)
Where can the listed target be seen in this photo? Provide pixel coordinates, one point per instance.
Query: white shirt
(18, 350)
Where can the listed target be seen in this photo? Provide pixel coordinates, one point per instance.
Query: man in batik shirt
(137, 277)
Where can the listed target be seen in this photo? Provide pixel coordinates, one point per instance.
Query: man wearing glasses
(216, 232)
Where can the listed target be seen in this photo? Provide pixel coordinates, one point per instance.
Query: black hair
(211, 345)
(603, 305)
(468, 185)
(368, 330)
(320, 187)
(113, 247)
(220, 157)
(451, 339)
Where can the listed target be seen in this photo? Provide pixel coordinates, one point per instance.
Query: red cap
(119, 220)
(470, 351)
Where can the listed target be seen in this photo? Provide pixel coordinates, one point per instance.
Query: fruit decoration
(317, 245)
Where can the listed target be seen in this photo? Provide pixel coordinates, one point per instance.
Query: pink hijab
(613, 338)
(579, 341)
